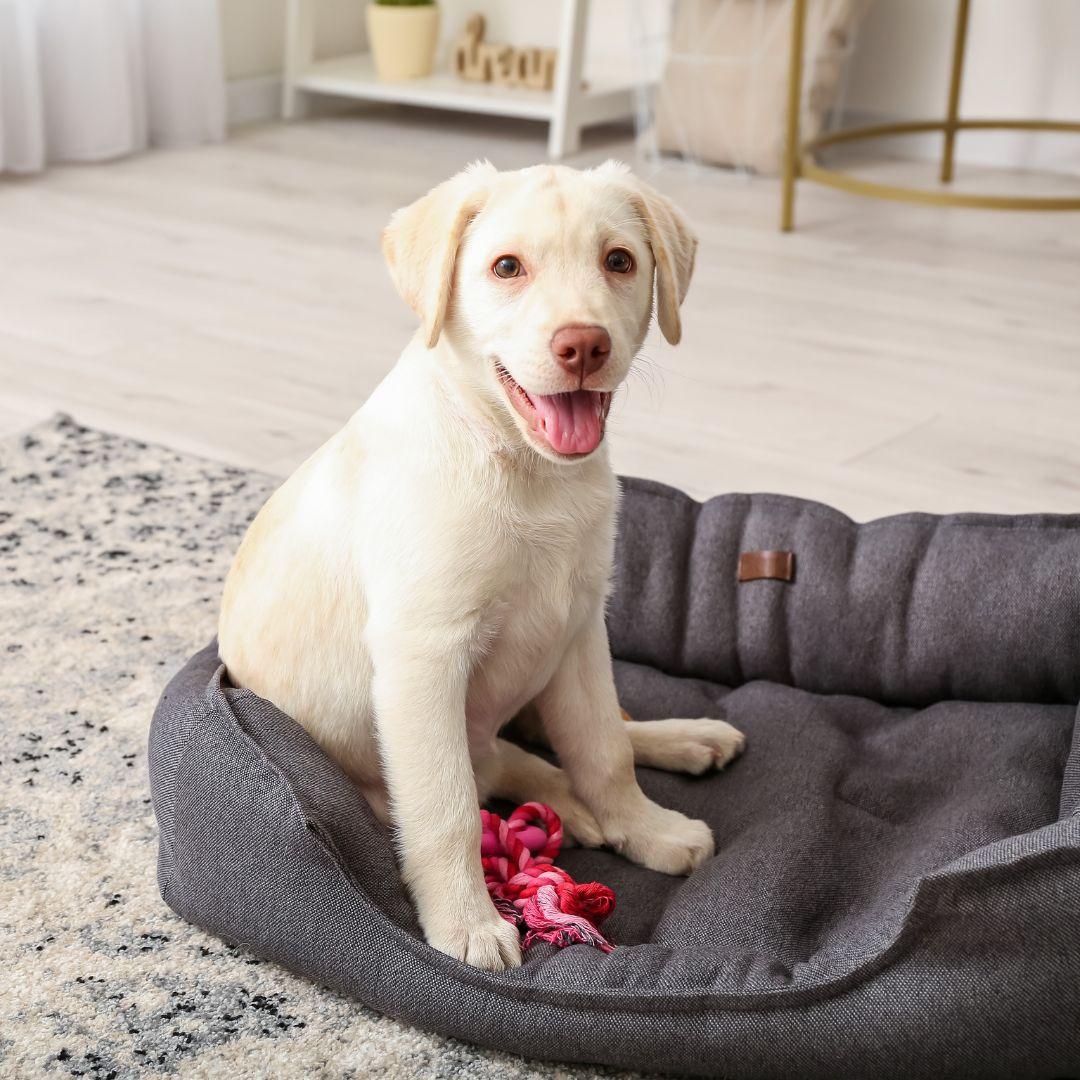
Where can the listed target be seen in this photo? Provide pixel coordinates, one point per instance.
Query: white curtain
(89, 80)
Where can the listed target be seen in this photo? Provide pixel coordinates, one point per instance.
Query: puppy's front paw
(664, 840)
(686, 746)
(490, 943)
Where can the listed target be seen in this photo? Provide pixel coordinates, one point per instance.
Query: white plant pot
(403, 40)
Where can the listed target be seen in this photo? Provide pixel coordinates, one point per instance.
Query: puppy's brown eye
(619, 261)
(506, 266)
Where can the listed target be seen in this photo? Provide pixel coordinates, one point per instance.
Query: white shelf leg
(564, 134)
(299, 53)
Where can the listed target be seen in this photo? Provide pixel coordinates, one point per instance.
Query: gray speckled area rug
(112, 555)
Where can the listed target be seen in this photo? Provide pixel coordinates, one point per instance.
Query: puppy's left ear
(674, 246)
(422, 240)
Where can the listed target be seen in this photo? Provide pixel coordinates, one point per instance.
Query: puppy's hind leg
(516, 775)
(686, 746)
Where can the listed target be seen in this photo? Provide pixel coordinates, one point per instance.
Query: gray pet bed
(896, 890)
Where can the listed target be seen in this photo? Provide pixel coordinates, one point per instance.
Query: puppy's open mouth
(571, 423)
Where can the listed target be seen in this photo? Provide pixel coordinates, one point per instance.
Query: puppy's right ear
(674, 247)
(422, 240)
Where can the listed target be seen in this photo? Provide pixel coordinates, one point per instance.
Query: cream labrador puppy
(443, 561)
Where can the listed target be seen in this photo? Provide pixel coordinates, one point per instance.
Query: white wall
(1023, 56)
(1023, 60)
(253, 32)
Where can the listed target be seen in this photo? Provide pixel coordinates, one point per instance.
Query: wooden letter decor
(482, 61)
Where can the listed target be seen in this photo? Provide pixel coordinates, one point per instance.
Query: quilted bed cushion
(896, 889)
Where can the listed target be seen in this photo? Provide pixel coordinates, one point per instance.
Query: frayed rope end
(547, 920)
(529, 891)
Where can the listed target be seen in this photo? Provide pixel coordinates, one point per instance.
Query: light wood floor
(232, 301)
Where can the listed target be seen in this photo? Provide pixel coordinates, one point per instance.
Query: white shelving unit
(570, 107)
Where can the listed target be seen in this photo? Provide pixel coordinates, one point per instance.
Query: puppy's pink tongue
(571, 422)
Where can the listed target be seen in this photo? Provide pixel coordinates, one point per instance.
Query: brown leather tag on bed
(767, 565)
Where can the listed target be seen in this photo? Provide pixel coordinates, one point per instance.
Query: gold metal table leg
(794, 104)
(955, 79)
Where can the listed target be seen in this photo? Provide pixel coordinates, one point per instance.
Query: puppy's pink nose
(581, 350)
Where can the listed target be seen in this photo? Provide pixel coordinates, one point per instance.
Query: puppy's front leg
(420, 718)
(580, 713)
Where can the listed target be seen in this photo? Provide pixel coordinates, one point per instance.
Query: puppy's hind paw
(686, 746)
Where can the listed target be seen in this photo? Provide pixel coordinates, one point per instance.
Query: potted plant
(403, 36)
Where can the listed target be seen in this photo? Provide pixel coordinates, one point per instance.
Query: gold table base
(800, 161)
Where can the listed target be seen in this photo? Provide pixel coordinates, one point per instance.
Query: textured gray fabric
(910, 610)
(897, 879)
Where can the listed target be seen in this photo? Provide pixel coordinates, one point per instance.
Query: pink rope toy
(518, 856)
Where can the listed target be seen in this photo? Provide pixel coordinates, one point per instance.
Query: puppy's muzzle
(581, 351)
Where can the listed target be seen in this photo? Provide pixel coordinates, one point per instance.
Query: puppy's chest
(541, 600)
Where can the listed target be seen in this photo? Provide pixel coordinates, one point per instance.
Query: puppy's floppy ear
(421, 243)
(674, 246)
